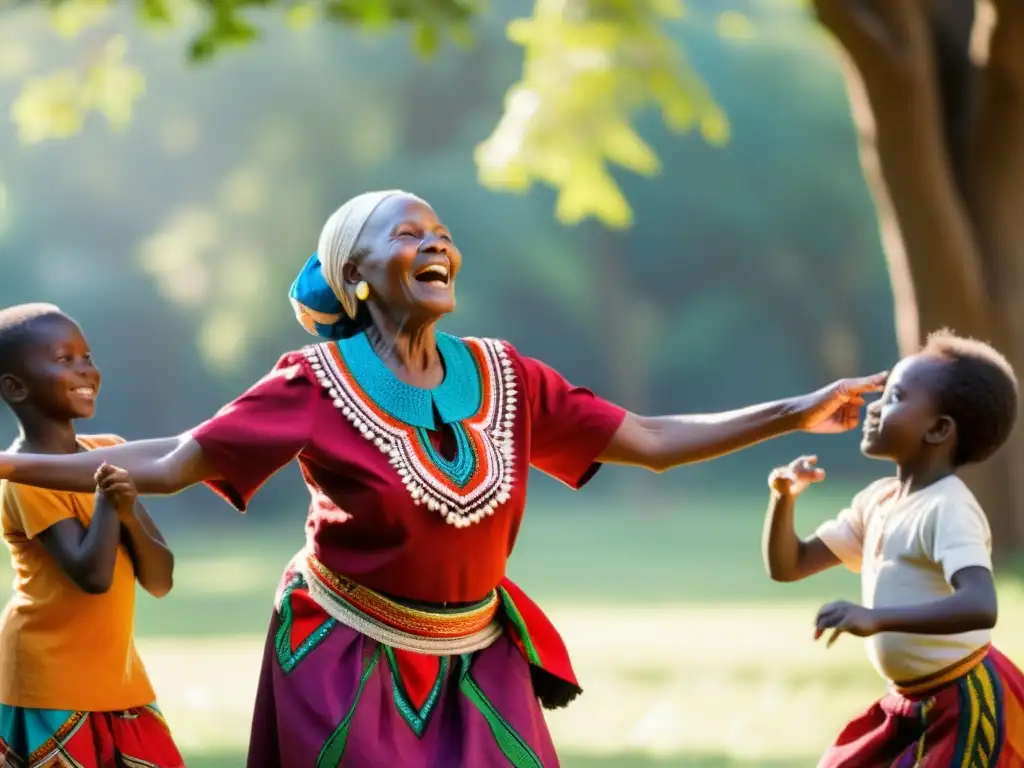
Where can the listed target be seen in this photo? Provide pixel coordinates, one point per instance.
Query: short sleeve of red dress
(261, 431)
(570, 426)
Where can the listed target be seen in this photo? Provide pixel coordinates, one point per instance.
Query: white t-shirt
(907, 550)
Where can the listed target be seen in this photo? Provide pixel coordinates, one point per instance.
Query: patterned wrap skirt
(352, 679)
(50, 738)
(968, 716)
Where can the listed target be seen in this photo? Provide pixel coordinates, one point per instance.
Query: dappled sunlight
(205, 688)
(696, 678)
(16, 59)
(242, 271)
(739, 684)
(278, 141)
(222, 339)
(72, 17)
(48, 107)
(715, 133)
(734, 26)
(588, 68)
(375, 133)
(179, 136)
(682, 682)
(176, 256)
(243, 192)
(271, 170)
(664, 682)
(55, 105)
(193, 265)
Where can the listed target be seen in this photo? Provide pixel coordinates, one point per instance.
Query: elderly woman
(397, 639)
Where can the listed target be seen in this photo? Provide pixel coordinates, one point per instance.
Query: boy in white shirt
(922, 546)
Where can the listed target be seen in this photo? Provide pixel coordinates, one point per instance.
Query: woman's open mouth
(434, 274)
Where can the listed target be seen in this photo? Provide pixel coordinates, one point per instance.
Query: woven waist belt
(390, 623)
(943, 676)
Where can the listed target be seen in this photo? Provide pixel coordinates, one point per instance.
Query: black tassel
(553, 692)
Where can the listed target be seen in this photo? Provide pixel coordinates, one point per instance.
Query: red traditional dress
(397, 639)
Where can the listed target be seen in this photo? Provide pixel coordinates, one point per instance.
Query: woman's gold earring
(363, 290)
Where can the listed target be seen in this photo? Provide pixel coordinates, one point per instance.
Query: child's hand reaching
(843, 616)
(118, 487)
(794, 478)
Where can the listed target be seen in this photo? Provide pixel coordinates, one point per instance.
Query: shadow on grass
(569, 760)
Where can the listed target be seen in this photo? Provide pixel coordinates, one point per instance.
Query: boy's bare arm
(153, 559)
(787, 557)
(86, 554)
(971, 606)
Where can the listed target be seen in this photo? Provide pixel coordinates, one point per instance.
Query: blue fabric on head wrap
(318, 295)
(316, 307)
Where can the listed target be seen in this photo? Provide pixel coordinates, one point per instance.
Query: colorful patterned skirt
(50, 738)
(969, 716)
(353, 679)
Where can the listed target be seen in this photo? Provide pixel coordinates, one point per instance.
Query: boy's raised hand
(794, 478)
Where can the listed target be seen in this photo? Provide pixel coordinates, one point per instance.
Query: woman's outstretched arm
(162, 466)
(659, 443)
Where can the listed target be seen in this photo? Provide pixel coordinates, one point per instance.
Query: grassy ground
(689, 656)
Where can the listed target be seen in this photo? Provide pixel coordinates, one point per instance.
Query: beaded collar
(477, 400)
(456, 398)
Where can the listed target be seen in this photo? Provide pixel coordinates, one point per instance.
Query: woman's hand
(837, 407)
(659, 443)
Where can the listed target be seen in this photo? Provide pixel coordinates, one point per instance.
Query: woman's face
(410, 261)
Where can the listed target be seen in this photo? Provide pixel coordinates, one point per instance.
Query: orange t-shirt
(60, 647)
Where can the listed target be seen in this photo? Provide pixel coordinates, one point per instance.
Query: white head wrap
(339, 237)
(319, 297)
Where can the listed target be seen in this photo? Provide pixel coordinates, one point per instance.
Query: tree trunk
(942, 147)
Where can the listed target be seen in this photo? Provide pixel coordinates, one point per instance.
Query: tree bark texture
(942, 148)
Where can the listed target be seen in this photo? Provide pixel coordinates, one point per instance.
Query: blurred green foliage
(590, 67)
(752, 269)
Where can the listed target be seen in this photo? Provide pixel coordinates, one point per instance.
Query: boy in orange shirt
(73, 690)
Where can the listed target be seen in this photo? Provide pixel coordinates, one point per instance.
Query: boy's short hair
(979, 392)
(15, 330)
